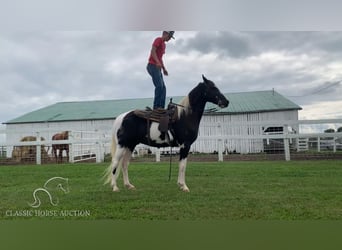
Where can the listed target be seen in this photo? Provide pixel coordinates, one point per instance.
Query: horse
(28, 153)
(130, 130)
(60, 147)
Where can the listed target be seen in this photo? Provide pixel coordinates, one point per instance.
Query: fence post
(38, 150)
(286, 144)
(158, 155)
(99, 152)
(220, 150)
(71, 146)
(220, 142)
(318, 144)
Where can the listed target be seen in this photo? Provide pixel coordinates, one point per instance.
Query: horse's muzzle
(223, 103)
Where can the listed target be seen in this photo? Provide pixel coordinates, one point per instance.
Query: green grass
(265, 190)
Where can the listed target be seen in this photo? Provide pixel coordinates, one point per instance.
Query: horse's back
(61, 136)
(129, 129)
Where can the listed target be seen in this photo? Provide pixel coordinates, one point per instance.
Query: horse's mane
(185, 102)
(194, 94)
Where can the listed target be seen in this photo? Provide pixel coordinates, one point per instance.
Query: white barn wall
(228, 126)
(29, 129)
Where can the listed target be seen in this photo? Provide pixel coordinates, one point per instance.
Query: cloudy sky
(40, 68)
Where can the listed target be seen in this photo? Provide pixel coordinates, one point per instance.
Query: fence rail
(82, 145)
(94, 144)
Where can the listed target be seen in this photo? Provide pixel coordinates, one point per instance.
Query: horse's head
(213, 94)
(65, 135)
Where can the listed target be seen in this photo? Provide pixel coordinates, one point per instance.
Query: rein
(170, 163)
(183, 107)
(170, 168)
(179, 105)
(175, 104)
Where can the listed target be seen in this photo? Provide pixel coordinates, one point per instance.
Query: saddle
(165, 117)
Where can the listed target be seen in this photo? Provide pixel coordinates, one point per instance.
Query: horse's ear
(204, 79)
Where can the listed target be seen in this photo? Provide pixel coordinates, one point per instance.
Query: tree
(339, 140)
(329, 130)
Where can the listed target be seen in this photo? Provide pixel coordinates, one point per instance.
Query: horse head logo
(51, 186)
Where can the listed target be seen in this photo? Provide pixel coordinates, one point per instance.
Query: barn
(85, 117)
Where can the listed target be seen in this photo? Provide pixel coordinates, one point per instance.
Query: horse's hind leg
(53, 152)
(61, 155)
(125, 162)
(116, 167)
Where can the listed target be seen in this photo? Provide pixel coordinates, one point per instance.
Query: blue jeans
(160, 89)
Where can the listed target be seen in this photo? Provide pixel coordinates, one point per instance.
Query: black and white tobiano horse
(130, 130)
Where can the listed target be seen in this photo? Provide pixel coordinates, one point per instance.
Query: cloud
(322, 110)
(224, 44)
(246, 44)
(41, 68)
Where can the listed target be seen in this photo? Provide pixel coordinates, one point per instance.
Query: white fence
(257, 138)
(83, 145)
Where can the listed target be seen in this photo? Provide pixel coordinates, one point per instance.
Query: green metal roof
(244, 102)
(259, 101)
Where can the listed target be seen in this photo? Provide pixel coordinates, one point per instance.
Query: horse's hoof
(184, 188)
(130, 187)
(116, 189)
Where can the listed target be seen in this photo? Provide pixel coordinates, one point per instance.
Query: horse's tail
(109, 171)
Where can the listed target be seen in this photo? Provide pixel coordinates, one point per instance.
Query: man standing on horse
(155, 67)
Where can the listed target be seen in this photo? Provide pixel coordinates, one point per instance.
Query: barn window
(274, 130)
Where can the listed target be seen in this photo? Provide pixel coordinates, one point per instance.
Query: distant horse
(130, 130)
(28, 153)
(60, 147)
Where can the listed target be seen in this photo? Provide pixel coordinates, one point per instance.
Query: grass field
(265, 190)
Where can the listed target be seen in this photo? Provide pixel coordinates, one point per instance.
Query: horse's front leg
(61, 155)
(184, 151)
(54, 153)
